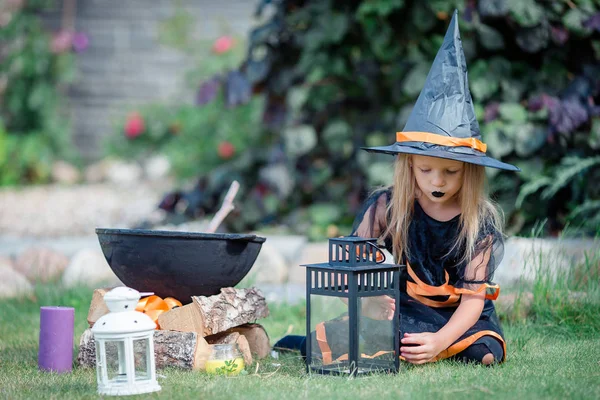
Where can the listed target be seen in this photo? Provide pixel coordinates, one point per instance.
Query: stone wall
(125, 66)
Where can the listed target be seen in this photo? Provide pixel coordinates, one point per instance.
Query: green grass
(553, 354)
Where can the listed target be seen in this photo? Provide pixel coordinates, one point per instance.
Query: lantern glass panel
(115, 361)
(329, 327)
(140, 359)
(376, 334)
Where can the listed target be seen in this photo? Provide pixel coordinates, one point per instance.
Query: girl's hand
(378, 307)
(424, 347)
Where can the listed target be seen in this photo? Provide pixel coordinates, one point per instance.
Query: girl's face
(437, 178)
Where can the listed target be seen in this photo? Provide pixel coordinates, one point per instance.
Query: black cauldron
(178, 264)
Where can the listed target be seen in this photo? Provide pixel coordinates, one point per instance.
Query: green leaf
(531, 188)
(337, 130)
(513, 112)
(512, 90)
(381, 8)
(527, 13)
(594, 140)
(324, 214)
(415, 80)
(574, 19)
(530, 168)
(422, 17)
(591, 207)
(3, 143)
(299, 139)
(297, 97)
(596, 47)
(499, 145)
(483, 83)
(570, 168)
(380, 173)
(529, 138)
(490, 38)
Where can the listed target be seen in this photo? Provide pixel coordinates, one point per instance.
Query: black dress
(434, 278)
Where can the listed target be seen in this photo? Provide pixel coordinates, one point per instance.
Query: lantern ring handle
(380, 251)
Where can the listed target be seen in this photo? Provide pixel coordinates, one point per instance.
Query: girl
(437, 221)
(437, 218)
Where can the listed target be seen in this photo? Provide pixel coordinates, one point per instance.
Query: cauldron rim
(181, 235)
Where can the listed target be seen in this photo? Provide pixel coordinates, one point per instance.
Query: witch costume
(442, 124)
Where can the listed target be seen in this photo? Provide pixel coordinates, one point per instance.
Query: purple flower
(491, 112)
(568, 116)
(80, 42)
(593, 23)
(61, 42)
(537, 103)
(559, 35)
(208, 90)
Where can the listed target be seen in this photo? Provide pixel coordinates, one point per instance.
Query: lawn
(553, 354)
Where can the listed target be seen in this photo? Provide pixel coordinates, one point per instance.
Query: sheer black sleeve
(371, 221)
(479, 272)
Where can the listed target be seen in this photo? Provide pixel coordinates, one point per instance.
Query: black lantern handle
(378, 249)
(371, 244)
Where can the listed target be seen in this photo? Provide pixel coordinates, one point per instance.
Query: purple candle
(56, 339)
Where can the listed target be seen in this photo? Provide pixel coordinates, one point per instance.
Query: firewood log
(186, 350)
(257, 337)
(98, 307)
(231, 308)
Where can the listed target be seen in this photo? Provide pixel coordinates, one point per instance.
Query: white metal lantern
(125, 346)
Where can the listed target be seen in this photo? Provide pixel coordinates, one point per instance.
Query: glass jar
(225, 359)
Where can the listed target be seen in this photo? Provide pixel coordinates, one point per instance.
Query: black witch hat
(442, 123)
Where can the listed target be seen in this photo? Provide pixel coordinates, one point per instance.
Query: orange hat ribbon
(441, 140)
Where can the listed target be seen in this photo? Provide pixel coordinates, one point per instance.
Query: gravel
(57, 210)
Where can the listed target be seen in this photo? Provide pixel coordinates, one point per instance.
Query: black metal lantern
(350, 327)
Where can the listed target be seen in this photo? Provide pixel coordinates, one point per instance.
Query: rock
(13, 283)
(65, 173)
(157, 167)
(289, 246)
(41, 264)
(269, 267)
(123, 173)
(525, 258)
(312, 253)
(89, 267)
(97, 172)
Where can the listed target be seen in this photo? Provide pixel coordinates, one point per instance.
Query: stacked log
(187, 333)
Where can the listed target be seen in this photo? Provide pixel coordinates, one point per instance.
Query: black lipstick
(438, 194)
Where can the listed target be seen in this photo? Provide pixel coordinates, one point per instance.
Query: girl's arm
(427, 345)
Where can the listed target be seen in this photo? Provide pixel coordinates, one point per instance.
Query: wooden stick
(225, 209)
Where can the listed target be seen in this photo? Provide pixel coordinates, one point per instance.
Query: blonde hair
(477, 210)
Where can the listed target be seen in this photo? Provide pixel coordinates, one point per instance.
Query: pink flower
(61, 42)
(134, 126)
(226, 150)
(80, 42)
(223, 44)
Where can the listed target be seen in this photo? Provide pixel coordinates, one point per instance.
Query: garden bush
(35, 66)
(332, 76)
